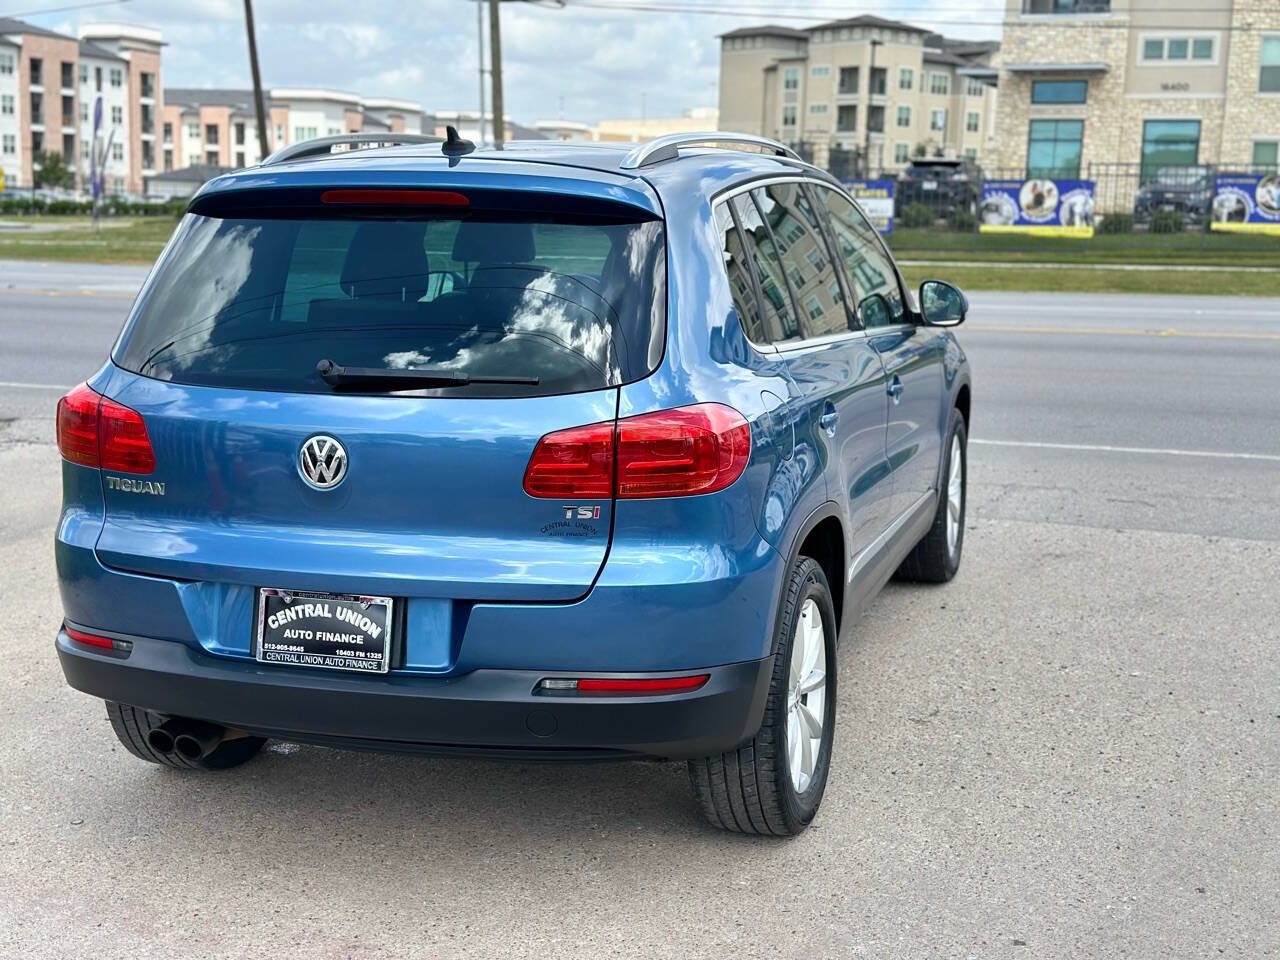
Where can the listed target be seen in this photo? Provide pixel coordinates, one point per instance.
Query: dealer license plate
(929, 185)
(335, 631)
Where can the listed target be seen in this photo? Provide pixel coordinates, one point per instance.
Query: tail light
(670, 453)
(96, 432)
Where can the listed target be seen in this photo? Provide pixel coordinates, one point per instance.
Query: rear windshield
(257, 303)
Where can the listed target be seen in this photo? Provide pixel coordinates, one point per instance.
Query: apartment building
(49, 85)
(219, 127)
(1152, 84)
(863, 85)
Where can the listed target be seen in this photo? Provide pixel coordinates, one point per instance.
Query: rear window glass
(258, 303)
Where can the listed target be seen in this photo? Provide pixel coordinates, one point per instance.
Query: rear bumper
(485, 711)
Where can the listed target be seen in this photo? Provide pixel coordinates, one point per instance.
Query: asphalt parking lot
(1073, 750)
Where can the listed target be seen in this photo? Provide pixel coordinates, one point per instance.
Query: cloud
(576, 62)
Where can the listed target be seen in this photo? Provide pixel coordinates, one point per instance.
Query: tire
(936, 558)
(132, 724)
(751, 789)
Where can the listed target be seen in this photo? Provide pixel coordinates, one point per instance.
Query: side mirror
(875, 311)
(941, 304)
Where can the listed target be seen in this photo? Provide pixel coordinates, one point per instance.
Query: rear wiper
(355, 378)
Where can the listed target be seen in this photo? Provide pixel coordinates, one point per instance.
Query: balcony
(1065, 8)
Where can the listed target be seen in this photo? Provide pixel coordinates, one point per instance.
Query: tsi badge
(581, 513)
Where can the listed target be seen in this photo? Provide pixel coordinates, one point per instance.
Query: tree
(921, 150)
(52, 171)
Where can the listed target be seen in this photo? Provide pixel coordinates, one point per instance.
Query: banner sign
(1246, 203)
(876, 199)
(1051, 208)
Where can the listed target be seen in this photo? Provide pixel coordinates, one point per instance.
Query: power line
(72, 6)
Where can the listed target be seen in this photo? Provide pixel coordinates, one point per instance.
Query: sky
(575, 62)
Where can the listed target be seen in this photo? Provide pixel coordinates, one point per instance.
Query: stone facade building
(1102, 86)
(862, 85)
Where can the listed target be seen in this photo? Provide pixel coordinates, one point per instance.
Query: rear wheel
(936, 558)
(774, 784)
(133, 725)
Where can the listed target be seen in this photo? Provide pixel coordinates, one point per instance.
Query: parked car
(1185, 190)
(946, 185)
(561, 452)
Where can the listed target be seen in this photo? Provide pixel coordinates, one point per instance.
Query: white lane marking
(1266, 310)
(32, 386)
(1103, 448)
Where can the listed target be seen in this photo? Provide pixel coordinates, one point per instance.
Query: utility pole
(495, 70)
(480, 52)
(866, 150)
(263, 144)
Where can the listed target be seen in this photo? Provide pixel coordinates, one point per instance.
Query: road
(1071, 750)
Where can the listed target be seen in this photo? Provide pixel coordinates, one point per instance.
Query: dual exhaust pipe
(192, 740)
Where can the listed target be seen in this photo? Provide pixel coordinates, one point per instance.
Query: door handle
(894, 389)
(829, 417)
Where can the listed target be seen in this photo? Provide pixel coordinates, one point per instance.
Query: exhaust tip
(188, 747)
(160, 740)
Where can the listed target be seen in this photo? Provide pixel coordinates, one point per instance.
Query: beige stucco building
(867, 84)
(1098, 87)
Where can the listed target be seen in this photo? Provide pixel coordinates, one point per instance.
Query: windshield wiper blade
(356, 378)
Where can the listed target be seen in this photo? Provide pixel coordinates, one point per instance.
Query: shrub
(1116, 223)
(961, 219)
(919, 215)
(1167, 221)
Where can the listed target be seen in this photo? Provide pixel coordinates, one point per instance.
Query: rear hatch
(527, 310)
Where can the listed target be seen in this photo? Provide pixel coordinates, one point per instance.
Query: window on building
(117, 77)
(975, 88)
(10, 143)
(1266, 153)
(193, 131)
(879, 78)
(875, 119)
(972, 121)
(37, 142)
(303, 133)
(789, 115)
(211, 157)
(239, 158)
(847, 117)
(6, 64)
(84, 149)
(819, 72)
(1269, 74)
(1160, 49)
(148, 155)
(1054, 147)
(117, 151)
(240, 134)
(97, 79)
(906, 77)
(84, 112)
(6, 104)
(940, 83)
(817, 108)
(280, 132)
(1059, 91)
(1169, 143)
(791, 78)
(904, 116)
(1066, 7)
(37, 72)
(210, 134)
(37, 108)
(168, 160)
(848, 79)
(168, 133)
(901, 152)
(971, 153)
(938, 120)
(68, 70)
(84, 73)
(117, 115)
(147, 85)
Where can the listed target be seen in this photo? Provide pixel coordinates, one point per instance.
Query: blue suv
(563, 451)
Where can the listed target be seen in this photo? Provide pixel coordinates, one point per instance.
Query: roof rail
(665, 148)
(324, 145)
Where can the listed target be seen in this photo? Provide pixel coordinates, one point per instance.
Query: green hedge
(1116, 223)
(26, 204)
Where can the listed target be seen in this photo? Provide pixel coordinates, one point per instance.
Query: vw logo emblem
(322, 462)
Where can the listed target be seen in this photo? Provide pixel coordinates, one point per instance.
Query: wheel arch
(822, 538)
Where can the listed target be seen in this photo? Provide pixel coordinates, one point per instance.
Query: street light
(866, 120)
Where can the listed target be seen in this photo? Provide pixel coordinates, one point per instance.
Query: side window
(741, 284)
(805, 257)
(874, 280)
(777, 316)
